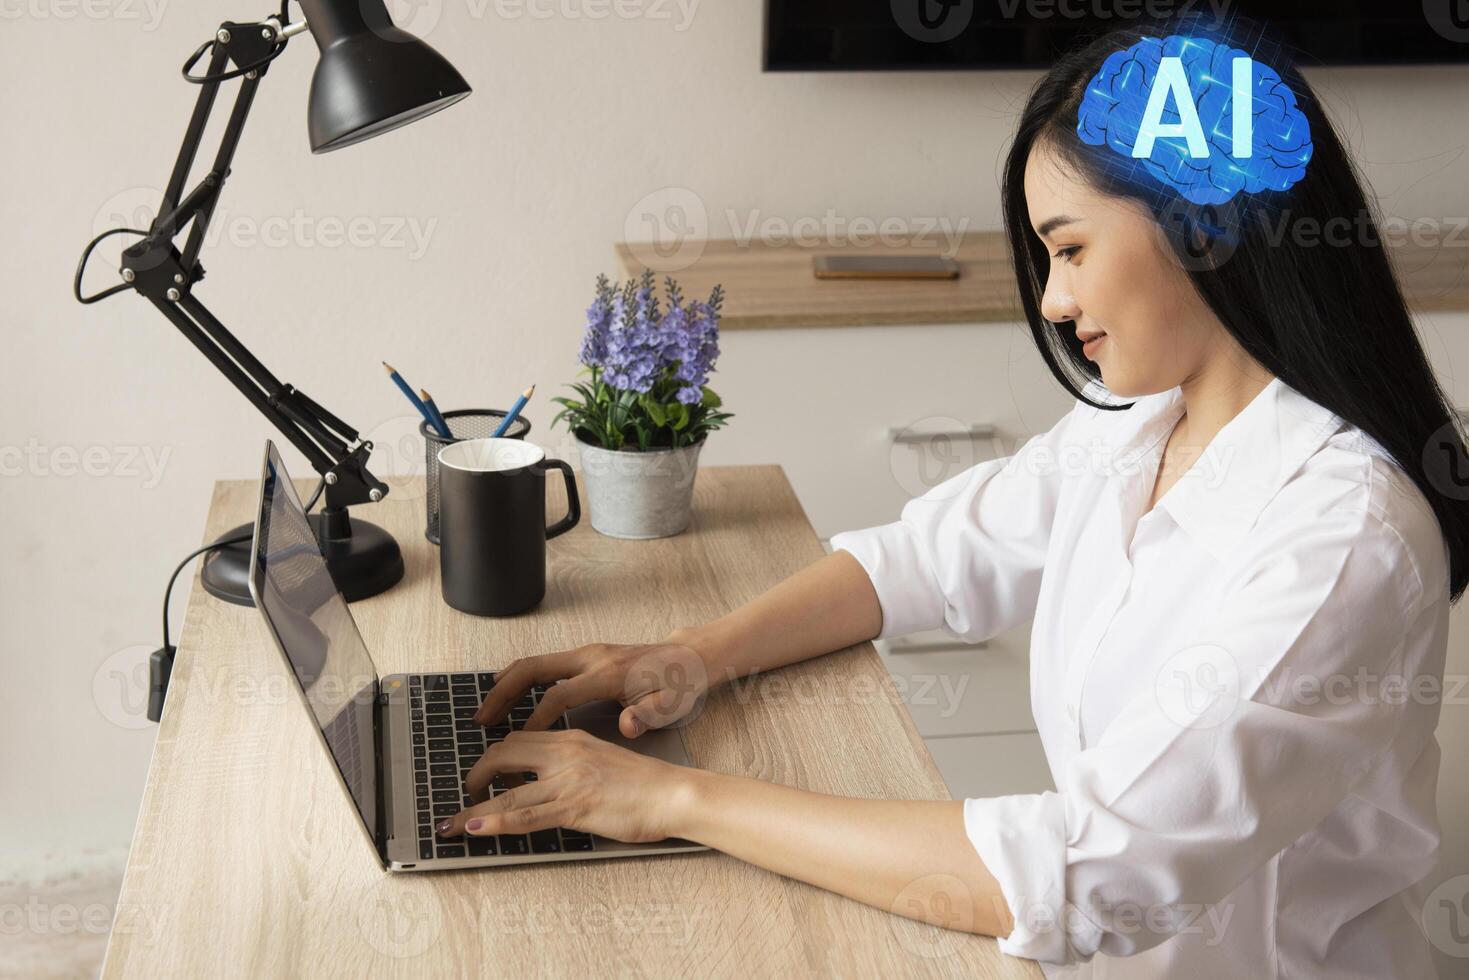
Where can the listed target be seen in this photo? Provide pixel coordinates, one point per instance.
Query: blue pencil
(439, 422)
(417, 403)
(514, 411)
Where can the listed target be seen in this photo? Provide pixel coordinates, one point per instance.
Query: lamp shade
(372, 76)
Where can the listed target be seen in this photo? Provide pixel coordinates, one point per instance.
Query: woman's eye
(1066, 253)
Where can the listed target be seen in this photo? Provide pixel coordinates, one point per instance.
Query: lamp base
(364, 563)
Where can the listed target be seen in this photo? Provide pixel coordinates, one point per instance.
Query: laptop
(403, 744)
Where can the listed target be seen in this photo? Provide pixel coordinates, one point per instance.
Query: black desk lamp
(372, 77)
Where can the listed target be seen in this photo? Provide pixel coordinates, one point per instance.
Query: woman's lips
(1090, 347)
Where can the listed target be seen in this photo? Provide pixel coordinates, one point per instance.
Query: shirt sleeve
(967, 555)
(1244, 741)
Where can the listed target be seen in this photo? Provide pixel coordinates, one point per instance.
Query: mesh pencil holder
(467, 423)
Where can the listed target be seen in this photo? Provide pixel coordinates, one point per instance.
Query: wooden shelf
(772, 286)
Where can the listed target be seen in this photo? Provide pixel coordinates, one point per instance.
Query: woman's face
(1110, 277)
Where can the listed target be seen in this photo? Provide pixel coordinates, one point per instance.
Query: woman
(1254, 549)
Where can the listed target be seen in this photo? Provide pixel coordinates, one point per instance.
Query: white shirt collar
(1218, 499)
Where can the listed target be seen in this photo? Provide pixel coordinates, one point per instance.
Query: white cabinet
(992, 765)
(825, 403)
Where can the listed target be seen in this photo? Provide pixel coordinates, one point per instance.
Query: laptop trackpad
(600, 718)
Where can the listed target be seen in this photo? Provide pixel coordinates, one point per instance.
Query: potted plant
(644, 414)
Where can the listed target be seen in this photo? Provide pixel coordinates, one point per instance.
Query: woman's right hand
(658, 684)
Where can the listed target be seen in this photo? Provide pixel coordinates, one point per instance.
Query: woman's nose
(1057, 304)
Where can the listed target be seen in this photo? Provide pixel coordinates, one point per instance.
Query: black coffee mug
(492, 524)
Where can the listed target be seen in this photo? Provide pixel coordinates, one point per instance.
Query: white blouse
(1237, 691)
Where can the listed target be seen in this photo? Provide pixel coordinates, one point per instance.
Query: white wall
(521, 189)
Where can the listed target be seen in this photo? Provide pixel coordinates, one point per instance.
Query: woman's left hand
(582, 783)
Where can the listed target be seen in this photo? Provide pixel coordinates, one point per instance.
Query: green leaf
(710, 399)
(678, 412)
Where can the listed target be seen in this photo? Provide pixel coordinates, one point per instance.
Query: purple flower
(599, 322)
(694, 340)
(635, 343)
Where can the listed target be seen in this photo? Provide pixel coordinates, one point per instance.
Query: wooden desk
(246, 861)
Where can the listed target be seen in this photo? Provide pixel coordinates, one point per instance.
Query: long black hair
(1329, 320)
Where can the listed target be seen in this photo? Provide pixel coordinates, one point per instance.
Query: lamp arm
(158, 270)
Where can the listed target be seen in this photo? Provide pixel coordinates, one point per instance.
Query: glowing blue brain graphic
(1116, 102)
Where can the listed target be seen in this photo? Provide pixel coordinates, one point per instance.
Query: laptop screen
(309, 617)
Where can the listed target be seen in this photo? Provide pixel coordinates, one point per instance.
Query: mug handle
(573, 502)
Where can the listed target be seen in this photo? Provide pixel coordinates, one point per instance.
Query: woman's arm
(909, 857)
(828, 605)
(912, 858)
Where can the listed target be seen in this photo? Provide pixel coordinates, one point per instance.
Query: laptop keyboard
(446, 745)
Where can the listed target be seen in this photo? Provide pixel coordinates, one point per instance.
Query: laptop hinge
(379, 738)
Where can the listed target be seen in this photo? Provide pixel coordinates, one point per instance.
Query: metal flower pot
(639, 495)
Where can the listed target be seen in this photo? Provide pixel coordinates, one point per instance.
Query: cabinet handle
(905, 434)
(900, 646)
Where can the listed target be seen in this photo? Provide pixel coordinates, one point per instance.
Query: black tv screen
(876, 35)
